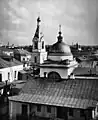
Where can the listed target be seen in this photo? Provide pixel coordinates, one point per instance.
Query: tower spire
(38, 27)
(38, 21)
(60, 29)
(60, 37)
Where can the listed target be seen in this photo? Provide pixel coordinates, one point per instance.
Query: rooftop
(22, 52)
(77, 93)
(5, 63)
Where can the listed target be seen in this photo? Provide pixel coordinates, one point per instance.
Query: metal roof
(72, 93)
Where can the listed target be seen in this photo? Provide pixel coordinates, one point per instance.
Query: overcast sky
(79, 20)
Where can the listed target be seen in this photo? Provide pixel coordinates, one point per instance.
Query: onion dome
(60, 46)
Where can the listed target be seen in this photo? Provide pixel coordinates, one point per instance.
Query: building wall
(37, 55)
(15, 109)
(26, 58)
(43, 112)
(55, 58)
(63, 72)
(11, 71)
(40, 57)
(43, 57)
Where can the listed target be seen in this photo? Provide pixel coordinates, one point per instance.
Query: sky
(78, 18)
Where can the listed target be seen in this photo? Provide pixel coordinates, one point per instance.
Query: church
(59, 62)
(56, 94)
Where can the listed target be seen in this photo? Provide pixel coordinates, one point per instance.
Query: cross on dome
(60, 37)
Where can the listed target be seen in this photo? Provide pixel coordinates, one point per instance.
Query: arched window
(35, 59)
(42, 44)
(15, 74)
(8, 75)
(54, 75)
(36, 45)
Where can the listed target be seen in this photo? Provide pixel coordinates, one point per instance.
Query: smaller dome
(60, 47)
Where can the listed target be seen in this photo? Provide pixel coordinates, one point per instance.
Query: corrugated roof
(5, 63)
(72, 93)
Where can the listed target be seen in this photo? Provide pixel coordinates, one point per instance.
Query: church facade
(60, 62)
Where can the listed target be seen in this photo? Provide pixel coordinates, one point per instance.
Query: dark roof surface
(5, 63)
(78, 93)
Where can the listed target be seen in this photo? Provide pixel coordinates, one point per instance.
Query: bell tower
(38, 45)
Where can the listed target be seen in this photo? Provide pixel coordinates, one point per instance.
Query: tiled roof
(78, 93)
(5, 63)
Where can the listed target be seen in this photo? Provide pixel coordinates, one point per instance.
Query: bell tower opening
(42, 44)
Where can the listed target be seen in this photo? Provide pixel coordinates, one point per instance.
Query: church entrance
(62, 113)
(54, 75)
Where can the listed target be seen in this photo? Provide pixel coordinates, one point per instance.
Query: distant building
(6, 52)
(9, 69)
(87, 66)
(24, 56)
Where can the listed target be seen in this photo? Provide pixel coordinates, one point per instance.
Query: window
(42, 44)
(36, 45)
(23, 64)
(0, 77)
(27, 77)
(23, 59)
(39, 108)
(97, 109)
(15, 75)
(24, 109)
(70, 112)
(8, 75)
(81, 113)
(45, 74)
(49, 109)
(35, 59)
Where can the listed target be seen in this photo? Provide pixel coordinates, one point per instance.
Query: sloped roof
(5, 49)
(84, 71)
(21, 52)
(78, 93)
(5, 63)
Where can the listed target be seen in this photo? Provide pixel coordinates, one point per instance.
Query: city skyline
(78, 18)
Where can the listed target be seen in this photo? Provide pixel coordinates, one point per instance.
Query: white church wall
(55, 58)
(62, 72)
(43, 57)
